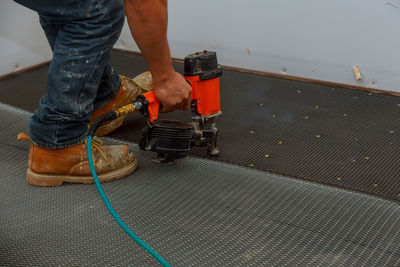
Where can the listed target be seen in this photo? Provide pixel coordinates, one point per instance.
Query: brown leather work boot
(53, 167)
(130, 89)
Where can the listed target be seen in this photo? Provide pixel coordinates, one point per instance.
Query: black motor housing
(167, 137)
(203, 64)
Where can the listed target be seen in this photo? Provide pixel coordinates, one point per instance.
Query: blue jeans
(81, 34)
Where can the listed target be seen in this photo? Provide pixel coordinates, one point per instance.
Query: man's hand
(174, 92)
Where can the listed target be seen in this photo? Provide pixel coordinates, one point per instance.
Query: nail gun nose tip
(214, 151)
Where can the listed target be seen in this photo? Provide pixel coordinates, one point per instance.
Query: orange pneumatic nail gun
(172, 139)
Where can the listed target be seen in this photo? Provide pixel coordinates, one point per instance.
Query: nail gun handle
(151, 105)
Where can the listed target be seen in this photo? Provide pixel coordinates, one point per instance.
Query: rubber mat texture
(196, 212)
(335, 136)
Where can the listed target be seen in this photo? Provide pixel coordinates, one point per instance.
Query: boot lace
(96, 145)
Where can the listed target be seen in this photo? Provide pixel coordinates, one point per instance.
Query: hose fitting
(113, 114)
(125, 110)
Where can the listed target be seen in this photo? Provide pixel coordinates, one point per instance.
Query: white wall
(22, 41)
(317, 39)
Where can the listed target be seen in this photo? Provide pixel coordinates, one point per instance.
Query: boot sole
(109, 127)
(57, 180)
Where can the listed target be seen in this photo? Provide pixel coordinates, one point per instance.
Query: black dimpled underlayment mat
(197, 212)
(334, 136)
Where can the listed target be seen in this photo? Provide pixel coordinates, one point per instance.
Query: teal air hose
(105, 199)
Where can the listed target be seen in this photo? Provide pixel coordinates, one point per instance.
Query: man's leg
(81, 54)
(81, 34)
(110, 80)
(50, 30)
(108, 88)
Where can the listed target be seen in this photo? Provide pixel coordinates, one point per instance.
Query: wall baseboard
(314, 81)
(11, 74)
(268, 74)
(289, 77)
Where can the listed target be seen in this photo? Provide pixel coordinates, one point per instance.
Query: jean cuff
(59, 146)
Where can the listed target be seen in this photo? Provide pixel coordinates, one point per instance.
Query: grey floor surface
(329, 135)
(194, 213)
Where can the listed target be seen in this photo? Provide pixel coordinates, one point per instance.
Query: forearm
(148, 21)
